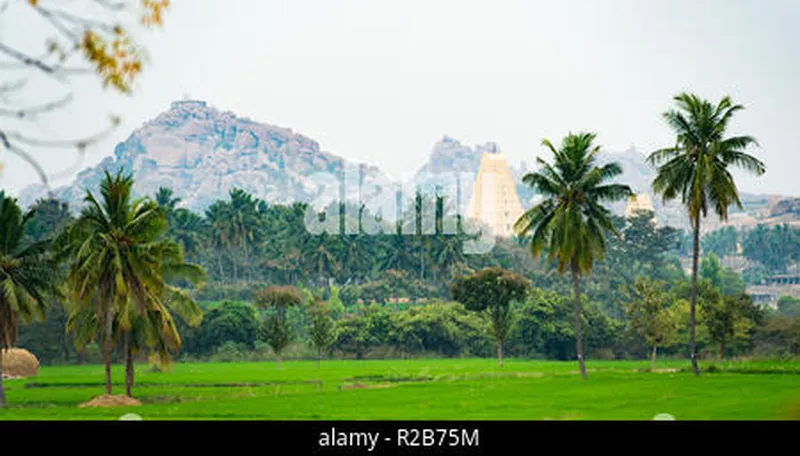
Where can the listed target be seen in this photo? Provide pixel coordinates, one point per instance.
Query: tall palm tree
(27, 276)
(571, 222)
(696, 170)
(119, 258)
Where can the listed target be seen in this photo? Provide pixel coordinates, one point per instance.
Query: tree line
(129, 272)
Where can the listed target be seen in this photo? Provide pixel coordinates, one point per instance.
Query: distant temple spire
(494, 195)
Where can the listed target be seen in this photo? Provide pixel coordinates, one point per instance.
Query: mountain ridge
(202, 152)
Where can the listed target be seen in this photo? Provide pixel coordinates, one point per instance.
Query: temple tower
(495, 202)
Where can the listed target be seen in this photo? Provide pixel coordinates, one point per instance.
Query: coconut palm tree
(120, 261)
(571, 222)
(27, 276)
(696, 169)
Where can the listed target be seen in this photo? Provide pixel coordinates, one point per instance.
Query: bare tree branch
(80, 21)
(56, 143)
(25, 156)
(12, 86)
(115, 6)
(26, 60)
(34, 110)
(58, 25)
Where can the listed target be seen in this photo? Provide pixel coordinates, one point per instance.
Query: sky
(381, 82)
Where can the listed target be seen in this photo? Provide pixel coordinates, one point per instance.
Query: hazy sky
(382, 81)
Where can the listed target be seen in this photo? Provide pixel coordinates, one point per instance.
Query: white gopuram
(495, 202)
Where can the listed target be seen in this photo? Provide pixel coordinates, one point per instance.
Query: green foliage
(724, 280)
(27, 273)
(278, 300)
(789, 306)
(721, 242)
(489, 288)
(779, 335)
(651, 313)
(335, 305)
(321, 328)
(570, 223)
(729, 318)
(775, 248)
(231, 321)
(696, 170)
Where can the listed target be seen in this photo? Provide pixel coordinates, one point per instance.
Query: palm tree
(571, 222)
(696, 170)
(165, 198)
(189, 230)
(27, 275)
(119, 260)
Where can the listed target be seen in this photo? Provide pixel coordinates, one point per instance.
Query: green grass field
(453, 389)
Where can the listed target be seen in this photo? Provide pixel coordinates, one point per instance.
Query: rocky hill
(201, 153)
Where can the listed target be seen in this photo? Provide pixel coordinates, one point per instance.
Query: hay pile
(19, 363)
(106, 400)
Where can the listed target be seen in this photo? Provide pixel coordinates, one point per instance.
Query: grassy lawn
(453, 389)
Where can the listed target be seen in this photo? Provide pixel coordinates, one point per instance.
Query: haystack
(107, 400)
(19, 363)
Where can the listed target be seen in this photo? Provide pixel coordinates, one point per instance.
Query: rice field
(427, 389)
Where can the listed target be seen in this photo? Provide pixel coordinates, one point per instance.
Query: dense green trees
(572, 222)
(721, 242)
(697, 170)
(775, 248)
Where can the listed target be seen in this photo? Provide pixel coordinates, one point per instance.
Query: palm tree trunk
(653, 358)
(108, 346)
(500, 354)
(128, 366)
(693, 305)
(221, 271)
(578, 335)
(279, 360)
(3, 403)
(319, 358)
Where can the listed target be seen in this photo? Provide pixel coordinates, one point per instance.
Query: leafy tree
(696, 169)
(650, 315)
(277, 299)
(321, 328)
(492, 290)
(727, 318)
(571, 221)
(27, 276)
